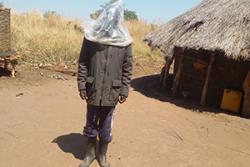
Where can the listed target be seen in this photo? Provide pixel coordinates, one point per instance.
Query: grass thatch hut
(210, 48)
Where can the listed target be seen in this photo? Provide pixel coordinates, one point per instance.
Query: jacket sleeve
(82, 67)
(126, 71)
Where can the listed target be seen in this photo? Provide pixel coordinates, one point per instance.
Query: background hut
(210, 48)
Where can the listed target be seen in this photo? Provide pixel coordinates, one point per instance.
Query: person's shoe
(102, 158)
(90, 153)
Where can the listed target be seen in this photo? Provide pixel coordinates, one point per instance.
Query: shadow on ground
(72, 143)
(4, 72)
(150, 86)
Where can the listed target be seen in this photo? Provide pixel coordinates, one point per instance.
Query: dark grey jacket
(104, 72)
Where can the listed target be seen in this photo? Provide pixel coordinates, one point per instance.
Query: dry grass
(55, 40)
(44, 40)
(141, 50)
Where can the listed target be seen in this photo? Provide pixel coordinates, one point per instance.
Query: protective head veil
(109, 27)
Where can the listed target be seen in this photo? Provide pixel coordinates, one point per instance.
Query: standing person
(104, 76)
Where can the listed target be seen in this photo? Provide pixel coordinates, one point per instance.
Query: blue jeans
(99, 122)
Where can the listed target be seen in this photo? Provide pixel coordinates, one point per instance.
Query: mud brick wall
(5, 35)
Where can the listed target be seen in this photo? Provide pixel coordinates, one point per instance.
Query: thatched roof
(212, 25)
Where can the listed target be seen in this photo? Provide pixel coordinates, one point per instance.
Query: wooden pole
(178, 76)
(246, 101)
(205, 87)
(167, 66)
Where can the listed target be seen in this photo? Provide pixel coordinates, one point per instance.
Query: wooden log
(205, 87)
(246, 101)
(178, 76)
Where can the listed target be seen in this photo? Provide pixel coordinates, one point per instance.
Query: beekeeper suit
(104, 76)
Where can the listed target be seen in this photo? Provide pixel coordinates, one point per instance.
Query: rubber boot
(90, 153)
(102, 158)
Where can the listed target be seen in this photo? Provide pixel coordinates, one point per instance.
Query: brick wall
(5, 36)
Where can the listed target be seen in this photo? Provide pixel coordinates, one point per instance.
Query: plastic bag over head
(109, 27)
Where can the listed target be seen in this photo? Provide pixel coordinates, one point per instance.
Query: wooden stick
(166, 71)
(178, 76)
(205, 87)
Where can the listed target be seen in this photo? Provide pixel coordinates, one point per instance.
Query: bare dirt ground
(42, 117)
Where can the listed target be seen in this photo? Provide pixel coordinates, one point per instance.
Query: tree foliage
(51, 13)
(96, 14)
(128, 15)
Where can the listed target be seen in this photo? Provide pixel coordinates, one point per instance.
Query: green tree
(50, 13)
(130, 15)
(96, 14)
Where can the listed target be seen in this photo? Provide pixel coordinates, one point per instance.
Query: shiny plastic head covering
(109, 27)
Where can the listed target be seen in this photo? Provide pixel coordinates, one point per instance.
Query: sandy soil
(42, 117)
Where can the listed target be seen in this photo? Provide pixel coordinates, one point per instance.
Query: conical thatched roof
(212, 25)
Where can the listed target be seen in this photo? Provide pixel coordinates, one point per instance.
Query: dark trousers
(99, 122)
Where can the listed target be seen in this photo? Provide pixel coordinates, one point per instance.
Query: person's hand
(83, 95)
(122, 99)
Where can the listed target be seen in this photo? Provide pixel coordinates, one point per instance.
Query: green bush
(130, 15)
